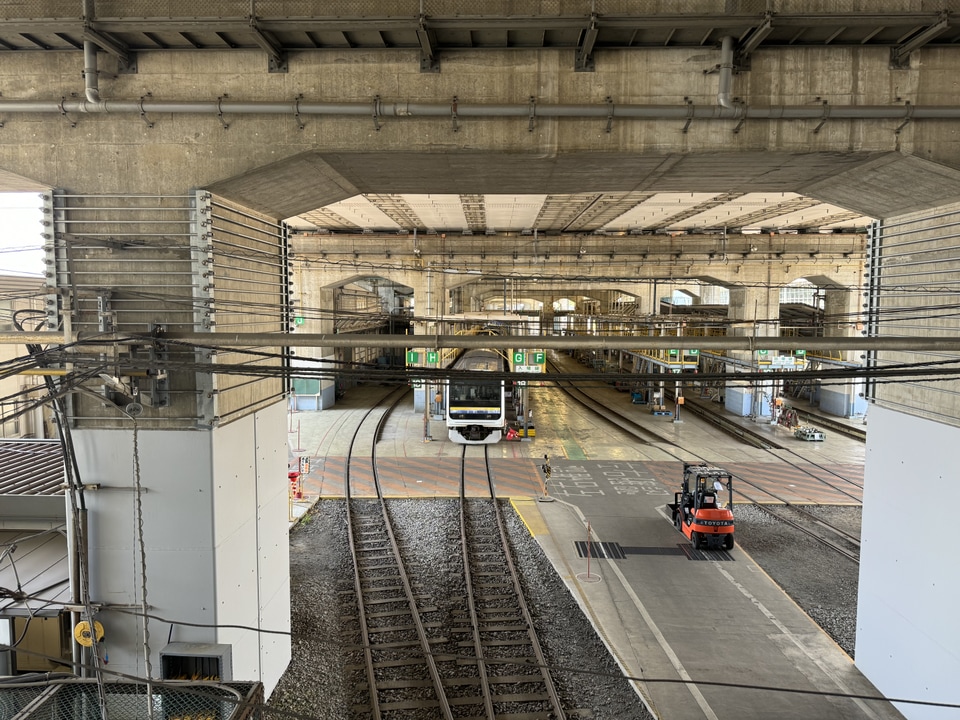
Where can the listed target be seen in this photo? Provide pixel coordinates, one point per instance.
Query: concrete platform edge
(529, 512)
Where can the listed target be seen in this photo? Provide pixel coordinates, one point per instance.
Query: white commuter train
(475, 408)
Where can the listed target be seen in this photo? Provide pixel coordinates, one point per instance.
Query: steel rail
(854, 557)
(624, 422)
(839, 427)
(376, 708)
(627, 424)
(739, 432)
(761, 441)
(471, 599)
(547, 678)
(617, 420)
(358, 581)
(630, 426)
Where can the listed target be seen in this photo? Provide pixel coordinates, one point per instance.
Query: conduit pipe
(402, 109)
(91, 81)
(726, 73)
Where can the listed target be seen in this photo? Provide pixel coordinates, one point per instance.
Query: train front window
(473, 401)
(475, 393)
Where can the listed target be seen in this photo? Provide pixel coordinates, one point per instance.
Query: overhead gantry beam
(900, 54)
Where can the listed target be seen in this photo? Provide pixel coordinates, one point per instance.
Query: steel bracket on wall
(429, 60)
(900, 55)
(128, 65)
(741, 59)
(276, 57)
(158, 379)
(584, 58)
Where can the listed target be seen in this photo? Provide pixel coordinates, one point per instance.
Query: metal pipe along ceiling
(404, 109)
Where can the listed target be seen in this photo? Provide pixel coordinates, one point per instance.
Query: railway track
(836, 539)
(490, 666)
(513, 676)
(647, 436)
(399, 666)
(832, 537)
(733, 429)
(761, 441)
(857, 433)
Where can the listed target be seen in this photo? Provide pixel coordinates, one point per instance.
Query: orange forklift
(698, 511)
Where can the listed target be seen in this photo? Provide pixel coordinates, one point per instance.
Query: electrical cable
(77, 506)
(174, 685)
(127, 611)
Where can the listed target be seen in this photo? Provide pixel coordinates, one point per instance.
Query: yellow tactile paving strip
(529, 512)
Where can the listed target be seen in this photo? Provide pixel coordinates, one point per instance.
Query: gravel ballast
(819, 580)
(319, 683)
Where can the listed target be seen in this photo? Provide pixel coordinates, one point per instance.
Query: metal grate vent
(608, 550)
(196, 661)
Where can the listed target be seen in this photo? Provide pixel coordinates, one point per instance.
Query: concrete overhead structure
(171, 184)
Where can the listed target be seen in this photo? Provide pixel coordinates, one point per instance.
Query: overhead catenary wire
(254, 367)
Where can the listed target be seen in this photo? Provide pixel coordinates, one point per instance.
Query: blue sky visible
(21, 244)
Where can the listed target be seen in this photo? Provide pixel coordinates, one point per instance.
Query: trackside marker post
(589, 577)
(588, 549)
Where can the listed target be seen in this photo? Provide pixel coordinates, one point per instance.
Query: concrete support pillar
(547, 315)
(472, 302)
(841, 315)
(426, 302)
(189, 466)
(607, 300)
(212, 522)
(319, 393)
(756, 311)
(643, 299)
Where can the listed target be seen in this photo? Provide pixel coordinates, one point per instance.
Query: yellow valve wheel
(81, 633)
